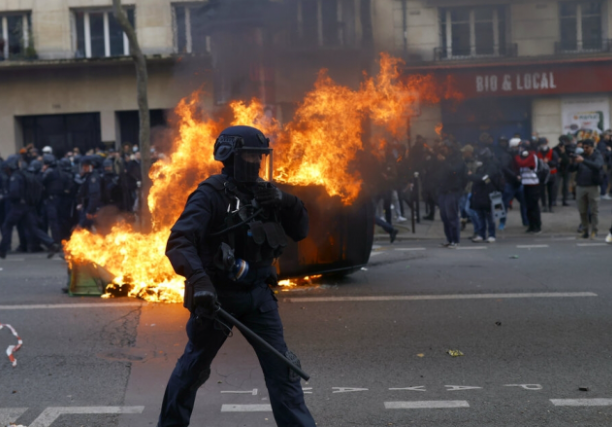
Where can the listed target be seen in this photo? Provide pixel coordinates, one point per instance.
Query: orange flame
(316, 147)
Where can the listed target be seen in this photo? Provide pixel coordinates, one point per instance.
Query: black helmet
(65, 165)
(35, 166)
(107, 163)
(12, 162)
(49, 159)
(245, 147)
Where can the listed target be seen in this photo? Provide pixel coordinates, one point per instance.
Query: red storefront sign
(524, 79)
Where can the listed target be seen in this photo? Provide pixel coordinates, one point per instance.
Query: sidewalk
(563, 222)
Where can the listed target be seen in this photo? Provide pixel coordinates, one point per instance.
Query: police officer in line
(52, 181)
(224, 243)
(89, 197)
(111, 190)
(24, 196)
(67, 204)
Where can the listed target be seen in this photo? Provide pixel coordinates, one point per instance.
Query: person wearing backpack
(24, 192)
(589, 176)
(527, 163)
(548, 187)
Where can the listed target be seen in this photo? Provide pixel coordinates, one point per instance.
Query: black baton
(250, 334)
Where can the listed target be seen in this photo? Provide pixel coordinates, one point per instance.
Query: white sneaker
(401, 219)
(491, 239)
(606, 197)
(609, 238)
(477, 239)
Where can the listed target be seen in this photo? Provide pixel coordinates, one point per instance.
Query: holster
(188, 296)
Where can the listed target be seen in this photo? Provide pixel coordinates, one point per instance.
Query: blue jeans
(485, 220)
(467, 212)
(449, 211)
(515, 192)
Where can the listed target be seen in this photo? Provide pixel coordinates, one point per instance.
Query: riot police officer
(53, 184)
(24, 196)
(224, 243)
(89, 196)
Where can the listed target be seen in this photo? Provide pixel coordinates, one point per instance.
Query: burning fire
(316, 147)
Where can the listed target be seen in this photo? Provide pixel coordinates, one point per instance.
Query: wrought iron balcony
(584, 46)
(473, 52)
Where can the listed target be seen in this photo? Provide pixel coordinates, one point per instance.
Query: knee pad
(202, 378)
(293, 376)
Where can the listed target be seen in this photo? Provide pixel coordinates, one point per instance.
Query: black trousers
(258, 310)
(22, 212)
(532, 199)
(564, 177)
(548, 191)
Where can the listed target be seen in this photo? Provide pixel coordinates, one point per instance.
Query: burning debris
(317, 148)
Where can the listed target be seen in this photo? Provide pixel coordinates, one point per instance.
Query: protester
(589, 176)
(605, 149)
(563, 168)
(513, 188)
(548, 189)
(527, 162)
(451, 184)
(486, 179)
(467, 213)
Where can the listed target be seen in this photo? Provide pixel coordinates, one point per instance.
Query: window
(63, 132)
(469, 32)
(15, 35)
(581, 26)
(328, 23)
(190, 29)
(98, 34)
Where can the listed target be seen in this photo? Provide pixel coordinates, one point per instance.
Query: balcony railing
(585, 46)
(442, 53)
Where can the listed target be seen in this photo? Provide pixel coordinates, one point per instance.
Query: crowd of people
(478, 183)
(45, 197)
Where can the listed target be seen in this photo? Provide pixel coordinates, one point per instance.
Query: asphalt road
(531, 316)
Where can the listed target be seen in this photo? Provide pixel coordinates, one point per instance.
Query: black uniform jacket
(190, 247)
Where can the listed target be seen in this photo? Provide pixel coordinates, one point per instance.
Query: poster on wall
(585, 117)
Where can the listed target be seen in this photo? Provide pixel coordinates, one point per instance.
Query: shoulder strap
(215, 181)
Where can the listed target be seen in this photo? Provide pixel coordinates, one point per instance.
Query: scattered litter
(364, 269)
(514, 257)
(420, 355)
(12, 348)
(583, 388)
(455, 353)
(219, 382)
(498, 323)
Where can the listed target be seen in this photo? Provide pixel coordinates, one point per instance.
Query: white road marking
(460, 387)
(526, 386)
(10, 415)
(410, 249)
(583, 245)
(376, 246)
(532, 246)
(246, 408)
(442, 297)
(471, 248)
(415, 388)
(376, 254)
(428, 404)
(581, 402)
(252, 392)
(51, 414)
(347, 389)
(307, 390)
(77, 305)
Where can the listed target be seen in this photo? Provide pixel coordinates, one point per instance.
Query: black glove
(204, 295)
(272, 197)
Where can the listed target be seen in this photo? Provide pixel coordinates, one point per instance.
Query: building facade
(66, 78)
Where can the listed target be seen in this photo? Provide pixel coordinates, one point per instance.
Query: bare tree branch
(143, 108)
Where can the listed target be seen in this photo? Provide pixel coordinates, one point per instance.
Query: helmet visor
(253, 163)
